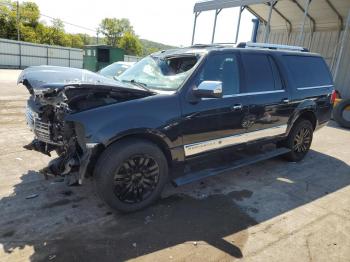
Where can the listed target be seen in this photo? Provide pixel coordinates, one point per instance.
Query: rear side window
(308, 71)
(261, 73)
(276, 74)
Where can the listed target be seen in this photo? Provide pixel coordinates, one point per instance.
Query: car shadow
(72, 224)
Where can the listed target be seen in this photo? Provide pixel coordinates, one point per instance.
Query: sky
(165, 21)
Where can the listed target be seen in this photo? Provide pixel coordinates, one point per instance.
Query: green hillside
(150, 46)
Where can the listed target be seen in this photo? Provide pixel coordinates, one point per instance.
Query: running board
(191, 177)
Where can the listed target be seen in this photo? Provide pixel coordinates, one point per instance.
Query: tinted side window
(258, 73)
(276, 74)
(308, 71)
(224, 68)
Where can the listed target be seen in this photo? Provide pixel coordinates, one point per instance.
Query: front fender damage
(73, 164)
(56, 94)
(74, 169)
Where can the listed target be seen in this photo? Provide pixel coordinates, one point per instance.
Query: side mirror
(208, 89)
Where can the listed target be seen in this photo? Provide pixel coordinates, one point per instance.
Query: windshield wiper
(139, 84)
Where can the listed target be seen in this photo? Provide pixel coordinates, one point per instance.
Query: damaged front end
(57, 92)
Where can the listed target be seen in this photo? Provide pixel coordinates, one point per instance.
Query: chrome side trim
(200, 147)
(256, 93)
(250, 94)
(314, 87)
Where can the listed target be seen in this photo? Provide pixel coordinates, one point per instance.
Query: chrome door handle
(285, 100)
(237, 107)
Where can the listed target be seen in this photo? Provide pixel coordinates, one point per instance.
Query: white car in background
(115, 69)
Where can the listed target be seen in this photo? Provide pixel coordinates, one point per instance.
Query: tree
(75, 40)
(28, 21)
(8, 26)
(114, 29)
(28, 34)
(29, 14)
(57, 35)
(31, 29)
(131, 44)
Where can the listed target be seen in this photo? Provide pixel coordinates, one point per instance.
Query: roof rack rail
(272, 46)
(211, 45)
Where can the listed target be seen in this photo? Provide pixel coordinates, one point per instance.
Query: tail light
(334, 96)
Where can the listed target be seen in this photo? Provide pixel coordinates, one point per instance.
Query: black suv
(175, 109)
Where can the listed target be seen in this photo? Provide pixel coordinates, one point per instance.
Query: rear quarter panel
(314, 98)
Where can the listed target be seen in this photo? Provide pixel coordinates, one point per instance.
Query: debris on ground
(67, 192)
(148, 220)
(32, 196)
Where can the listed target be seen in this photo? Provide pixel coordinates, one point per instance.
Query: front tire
(131, 174)
(299, 140)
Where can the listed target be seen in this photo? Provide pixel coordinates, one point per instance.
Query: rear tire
(131, 174)
(299, 140)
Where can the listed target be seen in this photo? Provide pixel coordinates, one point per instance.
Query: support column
(301, 35)
(267, 28)
(217, 11)
(238, 23)
(47, 55)
(196, 14)
(341, 50)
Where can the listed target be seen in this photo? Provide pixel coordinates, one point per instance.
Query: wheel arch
(153, 137)
(306, 114)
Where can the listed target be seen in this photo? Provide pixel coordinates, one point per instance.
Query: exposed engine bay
(52, 100)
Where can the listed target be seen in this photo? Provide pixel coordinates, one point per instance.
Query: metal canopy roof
(219, 4)
(288, 14)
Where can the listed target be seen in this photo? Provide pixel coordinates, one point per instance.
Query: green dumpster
(98, 56)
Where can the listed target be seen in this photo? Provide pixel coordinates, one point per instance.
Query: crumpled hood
(41, 78)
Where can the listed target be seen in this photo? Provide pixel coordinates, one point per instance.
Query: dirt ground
(271, 211)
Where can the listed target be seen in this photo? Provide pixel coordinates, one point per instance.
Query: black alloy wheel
(130, 174)
(299, 140)
(302, 140)
(136, 179)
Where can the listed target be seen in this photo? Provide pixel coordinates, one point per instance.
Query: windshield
(160, 73)
(114, 69)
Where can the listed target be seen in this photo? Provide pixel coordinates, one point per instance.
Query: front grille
(41, 129)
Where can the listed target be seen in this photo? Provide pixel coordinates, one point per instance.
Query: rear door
(269, 101)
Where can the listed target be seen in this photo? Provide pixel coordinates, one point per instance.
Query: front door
(212, 123)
